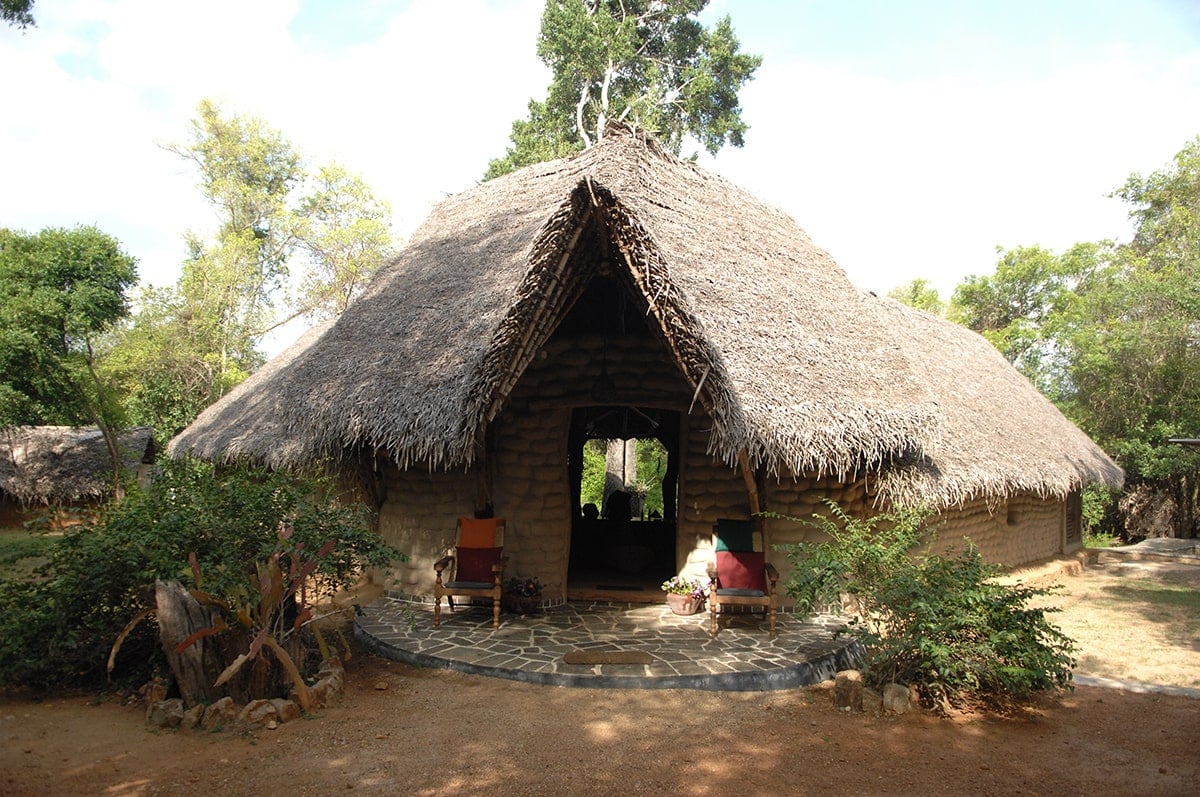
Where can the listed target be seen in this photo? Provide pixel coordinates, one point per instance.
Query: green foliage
(17, 12)
(651, 467)
(942, 623)
(592, 487)
(919, 294)
(60, 290)
(647, 62)
(60, 629)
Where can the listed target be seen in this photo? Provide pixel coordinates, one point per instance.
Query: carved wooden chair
(740, 574)
(476, 566)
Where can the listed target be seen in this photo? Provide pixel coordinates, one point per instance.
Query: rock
(286, 710)
(872, 702)
(219, 714)
(847, 690)
(165, 713)
(895, 698)
(192, 717)
(258, 712)
(155, 690)
(381, 686)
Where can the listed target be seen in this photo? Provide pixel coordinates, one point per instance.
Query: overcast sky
(910, 139)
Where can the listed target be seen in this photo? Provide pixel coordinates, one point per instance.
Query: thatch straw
(1000, 435)
(61, 465)
(796, 368)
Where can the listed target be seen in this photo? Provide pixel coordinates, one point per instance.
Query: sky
(909, 139)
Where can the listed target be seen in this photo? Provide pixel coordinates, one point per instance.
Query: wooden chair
(740, 574)
(476, 566)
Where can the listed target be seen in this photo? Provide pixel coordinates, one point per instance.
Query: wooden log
(179, 617)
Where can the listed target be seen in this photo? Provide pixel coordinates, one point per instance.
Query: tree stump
(197, 667)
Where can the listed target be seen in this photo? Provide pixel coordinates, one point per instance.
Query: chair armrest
(772, 577)
(712, 571)
(443, 563)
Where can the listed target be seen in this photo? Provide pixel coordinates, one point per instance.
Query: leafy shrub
(59, 630)
(942, 623)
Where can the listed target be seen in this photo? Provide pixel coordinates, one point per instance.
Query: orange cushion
(742, 570)
(477, 533)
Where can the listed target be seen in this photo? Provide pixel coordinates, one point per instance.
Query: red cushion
(742, 570)
(476, 533)
(475, 564)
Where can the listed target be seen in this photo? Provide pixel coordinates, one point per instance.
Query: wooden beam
(751, 480)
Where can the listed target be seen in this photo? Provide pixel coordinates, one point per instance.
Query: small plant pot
(684, 604)
(521, 604)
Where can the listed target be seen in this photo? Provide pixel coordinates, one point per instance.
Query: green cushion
(735, 535)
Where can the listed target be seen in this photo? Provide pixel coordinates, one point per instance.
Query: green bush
(59, 629)
(944, 624)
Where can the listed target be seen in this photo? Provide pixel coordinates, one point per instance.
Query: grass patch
(21, 552)
(1154, 594)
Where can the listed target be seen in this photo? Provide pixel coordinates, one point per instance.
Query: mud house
(624, 293)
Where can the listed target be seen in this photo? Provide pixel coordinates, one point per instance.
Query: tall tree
(247, 173)
(60, 291)
(286, 244)
(650, 63)
(1021, 307)
(1112, 333)
(346, 235)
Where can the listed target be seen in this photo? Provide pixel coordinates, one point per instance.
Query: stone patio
(681, 652)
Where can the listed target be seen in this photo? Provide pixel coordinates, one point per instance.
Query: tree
(345, 233)
(247, 173)
(60, 291)
(17, 12)
(286, 244)
(919, 294)
(1134, 338)
(1112, 333)
(1021, 308)
(649, 63)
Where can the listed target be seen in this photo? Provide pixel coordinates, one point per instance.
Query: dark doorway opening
(624, 473)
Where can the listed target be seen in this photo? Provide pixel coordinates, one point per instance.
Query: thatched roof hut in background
(789, 373)
(61, 465)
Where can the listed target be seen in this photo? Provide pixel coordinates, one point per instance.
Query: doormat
(619, 587)
(608, 657)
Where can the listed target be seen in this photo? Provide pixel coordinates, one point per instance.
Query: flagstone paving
(683, 655)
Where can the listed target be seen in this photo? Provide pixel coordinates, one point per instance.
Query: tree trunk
(197, 667)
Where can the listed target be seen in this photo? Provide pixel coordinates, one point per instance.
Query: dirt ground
(401, 730)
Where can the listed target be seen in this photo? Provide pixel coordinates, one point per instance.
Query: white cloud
(925, 179)
(896, 179)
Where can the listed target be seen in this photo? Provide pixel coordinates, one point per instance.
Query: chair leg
(437, 611)
(495, 612)
(771, 622)
(712, 617)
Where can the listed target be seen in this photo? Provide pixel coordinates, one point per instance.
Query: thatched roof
(1000, 435)
(60, 464)
(796, 368)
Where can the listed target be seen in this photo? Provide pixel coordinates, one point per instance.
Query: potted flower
(685, 595)
(522, 595)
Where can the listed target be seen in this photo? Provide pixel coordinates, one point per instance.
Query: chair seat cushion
(741, 593)
(741, 570)
(475, 564)
(453, 585)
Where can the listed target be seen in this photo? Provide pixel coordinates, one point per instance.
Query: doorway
(623, 467)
